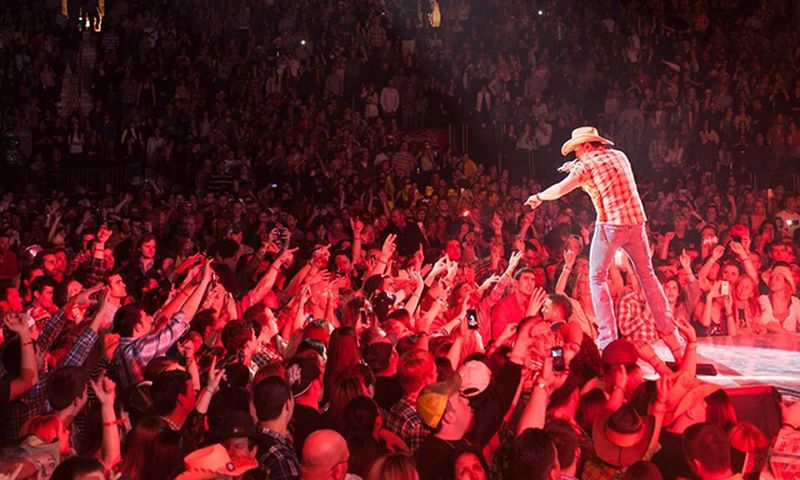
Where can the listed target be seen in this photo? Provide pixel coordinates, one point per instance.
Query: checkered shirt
(607, 177)
(277, 459)
(635, 320)
(404, 422)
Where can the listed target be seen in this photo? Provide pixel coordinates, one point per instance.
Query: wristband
(113, 423)
(542, 386)
(29, 342)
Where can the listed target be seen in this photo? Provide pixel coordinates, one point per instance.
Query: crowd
(295, 287)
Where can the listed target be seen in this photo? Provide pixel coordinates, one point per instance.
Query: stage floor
(744, 361)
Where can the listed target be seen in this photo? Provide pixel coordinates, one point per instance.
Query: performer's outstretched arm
(556, 191)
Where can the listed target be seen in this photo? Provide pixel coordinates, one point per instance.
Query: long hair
(137, 445)
(720, 411)
(164, 457)
(345, 389)
(342, 352)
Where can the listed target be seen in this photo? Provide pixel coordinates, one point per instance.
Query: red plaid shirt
(635, 321)
(607, 177)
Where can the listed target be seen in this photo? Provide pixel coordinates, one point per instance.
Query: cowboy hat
(686, 390)
(621, 437)
(580, 136)
(212, 461)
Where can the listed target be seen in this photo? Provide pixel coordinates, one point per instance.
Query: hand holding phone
(557, 354)
(472, 319)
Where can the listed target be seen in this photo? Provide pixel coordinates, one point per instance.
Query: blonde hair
(394, 466)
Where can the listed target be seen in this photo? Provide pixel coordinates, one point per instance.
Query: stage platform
(746, 361)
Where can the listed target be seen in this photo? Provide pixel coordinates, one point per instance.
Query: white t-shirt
(790, 323)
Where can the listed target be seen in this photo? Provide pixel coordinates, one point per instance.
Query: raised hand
(286, 257)
(513, 262)
(357, 226)
(103, 389)
(536, 302)
(388, 248)
(17, 324)
(83, 297)
(739, 250)
(686, 330)
(489, 281)
(686, 261)
(497, 223)
(569, 258)
(533, 201)
(663, 387)
(619, 376)
(215, 376)
(718, 252)
(416, 277)
(440, 266)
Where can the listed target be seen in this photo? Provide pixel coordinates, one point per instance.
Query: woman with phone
(718, 318)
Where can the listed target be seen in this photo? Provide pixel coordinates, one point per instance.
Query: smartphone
(724, 288)
(789, 223)
(472, 319)
(309, 318)
(557, 354)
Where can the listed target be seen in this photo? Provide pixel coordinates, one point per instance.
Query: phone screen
(472, 319)
(557, 353)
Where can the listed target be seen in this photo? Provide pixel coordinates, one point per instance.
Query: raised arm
(716, 254)
(569, 262)
(357, 226)
(556, 191)
(268, 280)
(110, 451)
(28, 371)
(193, 302)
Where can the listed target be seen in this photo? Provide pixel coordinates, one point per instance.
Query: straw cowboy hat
(621, 438)
(213, 461)
(686, 390)
(580, 136)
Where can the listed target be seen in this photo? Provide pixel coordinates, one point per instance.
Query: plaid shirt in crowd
(133, 354)
(276, 457)
(404, 422)
(607, 177)
(35, 401)
(635, 320)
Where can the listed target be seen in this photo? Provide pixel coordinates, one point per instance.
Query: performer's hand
(533, 201)
(567, 166)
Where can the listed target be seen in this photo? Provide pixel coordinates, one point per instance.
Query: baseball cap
(432, 400)
(300, 372)
(475, 377)
(620, 352)
(378, 354)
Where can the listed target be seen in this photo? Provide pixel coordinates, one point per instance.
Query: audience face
(469, 467)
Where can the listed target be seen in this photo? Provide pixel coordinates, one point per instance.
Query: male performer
(606, 175)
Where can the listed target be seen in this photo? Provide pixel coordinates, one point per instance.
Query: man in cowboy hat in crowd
(606, 175)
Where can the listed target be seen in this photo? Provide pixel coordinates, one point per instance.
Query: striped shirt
(607, 177)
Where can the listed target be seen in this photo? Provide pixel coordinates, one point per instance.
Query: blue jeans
(633, 240)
